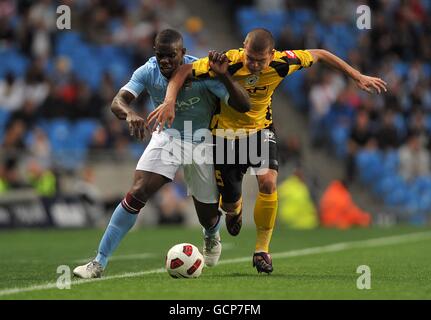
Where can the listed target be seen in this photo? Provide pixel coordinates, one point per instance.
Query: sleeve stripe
(235, 67)
(291, 60)
(281, 68)
(130, 90)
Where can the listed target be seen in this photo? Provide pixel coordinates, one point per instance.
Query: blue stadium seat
(250, 18)
(401, 125)
(83, 131)
(391, 161)
(66, 42)
(339, 137)
(387, 184)
(397, 197)
(59, 133)
(401, 68)
(4, 117)
(13, 61)
(369, 165)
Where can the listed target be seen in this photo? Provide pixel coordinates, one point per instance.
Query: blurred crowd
(56, 86)
(383, 140)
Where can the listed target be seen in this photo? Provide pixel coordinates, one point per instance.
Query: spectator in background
(13, 142)
(361, 136)
(42, 179)
(418, 124)
(270, 5)
(338, 210)
(11, 92)
(414, 158)
(196, 38)
(322, 96)
(388, 136)
(88, 103)
(10, 178)
(173, 11)
(36, 86)
(42, 23)
(40, 147)
(85, 188)
(296, 208)
(62, 74)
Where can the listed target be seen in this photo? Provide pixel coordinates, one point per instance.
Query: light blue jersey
(195, 103)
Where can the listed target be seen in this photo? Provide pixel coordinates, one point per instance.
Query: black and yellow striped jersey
(260, 87)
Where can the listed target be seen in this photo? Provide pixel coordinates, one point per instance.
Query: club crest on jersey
(269, 136)
(252, 80)
(290, 54)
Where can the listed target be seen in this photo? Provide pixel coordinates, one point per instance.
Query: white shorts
(164, 155)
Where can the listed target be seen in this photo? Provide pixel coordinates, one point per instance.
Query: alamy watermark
(228, 146)
(64, 20)
(363, 22)
(64, 280)
(364, 280)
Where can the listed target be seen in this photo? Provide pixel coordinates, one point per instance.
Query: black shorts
(233, 157)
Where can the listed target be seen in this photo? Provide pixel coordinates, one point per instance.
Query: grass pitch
(318, 264)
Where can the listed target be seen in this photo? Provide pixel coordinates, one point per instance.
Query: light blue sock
(121, 222)
(214, 229)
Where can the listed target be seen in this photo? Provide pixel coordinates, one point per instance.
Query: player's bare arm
(165, 113)
(238, 97)
(364, 82)
(121, 108)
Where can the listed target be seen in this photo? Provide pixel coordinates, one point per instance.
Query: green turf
(398, 271)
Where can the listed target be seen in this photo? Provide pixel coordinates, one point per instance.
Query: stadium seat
(339, 137)
(83, 130)
(13, 61)
(4, 117)
(250, 18)
(369, 165)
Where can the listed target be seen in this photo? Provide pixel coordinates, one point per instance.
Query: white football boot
(93, 269)
(212, 249)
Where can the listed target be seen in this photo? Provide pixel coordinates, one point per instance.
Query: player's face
(256, 61)
(169, 57)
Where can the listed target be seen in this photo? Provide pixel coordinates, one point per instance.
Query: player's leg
(145, 185)
(209, 217)
(265, 210)
(122, 220)
(150, 175)
(229, 182)
(201, 184)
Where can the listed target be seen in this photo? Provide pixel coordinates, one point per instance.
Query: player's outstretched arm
(121, 108)
(364, 82)
(238, 97)
(165, 113)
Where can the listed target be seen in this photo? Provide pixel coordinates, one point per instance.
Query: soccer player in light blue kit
(196, 103)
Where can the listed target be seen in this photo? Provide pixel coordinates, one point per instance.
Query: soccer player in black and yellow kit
(260, 69)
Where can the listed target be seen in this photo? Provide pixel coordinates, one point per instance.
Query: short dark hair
(169, 36)
(260, 39)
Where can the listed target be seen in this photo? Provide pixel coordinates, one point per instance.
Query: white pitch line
(137, 256)
(121, 257)
(335, 247)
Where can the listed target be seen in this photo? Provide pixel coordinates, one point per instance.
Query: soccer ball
(184, 261)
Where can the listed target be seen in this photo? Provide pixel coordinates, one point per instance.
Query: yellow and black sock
(265, 212)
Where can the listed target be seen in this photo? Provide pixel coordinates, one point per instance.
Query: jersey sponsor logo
(290, 54)
(252, 80)
(183, 104)
(255, 90)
